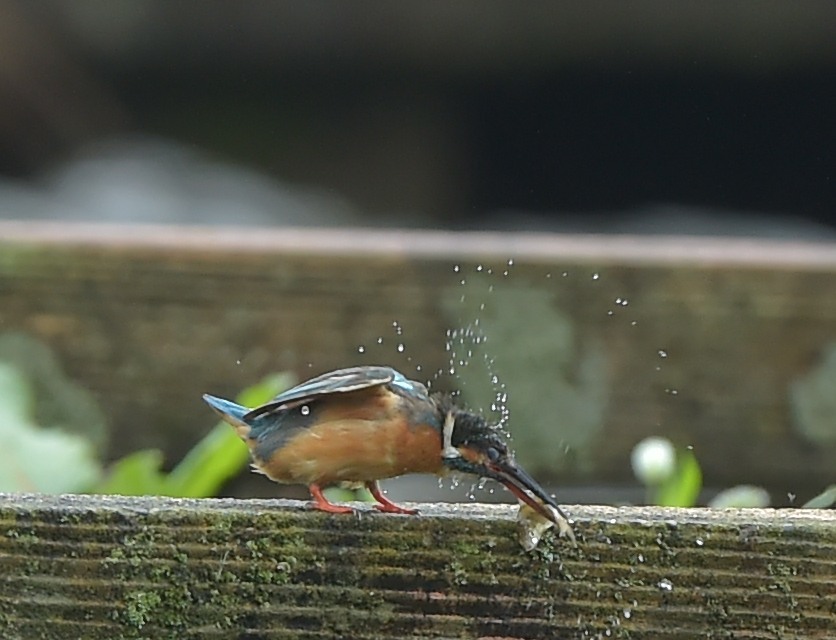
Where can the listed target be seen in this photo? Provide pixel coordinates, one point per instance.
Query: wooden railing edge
(108, 566)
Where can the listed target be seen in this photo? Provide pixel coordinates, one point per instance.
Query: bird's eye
(493, 454)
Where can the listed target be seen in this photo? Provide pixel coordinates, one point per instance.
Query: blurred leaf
(32, 458)
(137, 474)
(210, 463)
(56, 399)
(824, 500)
(744, 496)
(683, 487)
(17, 397)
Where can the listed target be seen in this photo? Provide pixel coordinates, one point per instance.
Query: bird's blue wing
(342, 381)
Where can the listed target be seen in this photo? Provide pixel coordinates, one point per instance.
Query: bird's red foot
(321, 503)
(385, 505)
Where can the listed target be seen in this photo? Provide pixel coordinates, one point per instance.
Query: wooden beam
(600, 341)
(112, 567)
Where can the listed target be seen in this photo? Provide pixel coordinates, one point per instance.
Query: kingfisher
(364, 424)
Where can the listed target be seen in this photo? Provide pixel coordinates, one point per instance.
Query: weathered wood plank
(707, 350)
(111, 567)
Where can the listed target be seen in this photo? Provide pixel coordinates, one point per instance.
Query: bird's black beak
(526, 488)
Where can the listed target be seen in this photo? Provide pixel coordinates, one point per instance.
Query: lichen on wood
(111, 567)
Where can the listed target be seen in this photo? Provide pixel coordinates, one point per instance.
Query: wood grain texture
(111, 567)
(149, 318)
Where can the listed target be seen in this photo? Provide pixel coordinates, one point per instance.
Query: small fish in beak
(538, 511)
(532, 524)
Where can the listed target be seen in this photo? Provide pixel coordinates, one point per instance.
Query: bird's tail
(231, 412)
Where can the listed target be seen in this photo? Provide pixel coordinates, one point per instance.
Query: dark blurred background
(686, 117)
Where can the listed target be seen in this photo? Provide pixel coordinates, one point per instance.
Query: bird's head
(471, 445)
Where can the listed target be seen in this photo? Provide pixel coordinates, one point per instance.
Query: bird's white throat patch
(448, 450)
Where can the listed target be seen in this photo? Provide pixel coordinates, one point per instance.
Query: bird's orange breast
(356, 450)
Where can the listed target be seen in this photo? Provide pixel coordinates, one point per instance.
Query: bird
(363, 424)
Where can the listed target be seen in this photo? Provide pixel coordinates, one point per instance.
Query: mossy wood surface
(112, 567)
(600, 341)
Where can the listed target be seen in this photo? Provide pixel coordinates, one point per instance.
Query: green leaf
(36, 459)
(220, 454)
(683, 487)
(824, 500)
(16, 393)
(210, 463)
(137, 474)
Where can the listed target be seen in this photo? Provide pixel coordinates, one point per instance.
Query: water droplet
(640, 558)
(238, 362)
(791, 497)
(699, 542)
(305, 410)
(401, 348)
(565, 274)
(609, 313)
(665, 585)
(478, 267)
(510, 262)
(595, 276)
(627, 613)
(361, 349)
(633, 323)
(548, 275)
(662, 353)
(456, 268)
(380, 340)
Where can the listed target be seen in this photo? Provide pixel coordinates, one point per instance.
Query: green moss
(472, 560)
(140, 606)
